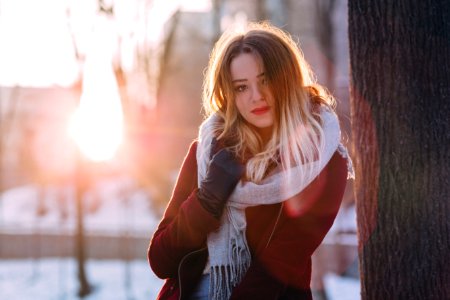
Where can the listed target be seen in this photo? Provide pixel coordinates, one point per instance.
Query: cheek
(240, 105)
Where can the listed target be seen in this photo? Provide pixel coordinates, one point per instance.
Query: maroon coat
(281, 237)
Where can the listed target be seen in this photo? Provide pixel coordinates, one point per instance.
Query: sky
(37, 37)
(33, 38)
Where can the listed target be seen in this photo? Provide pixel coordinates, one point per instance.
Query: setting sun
(97, 130)
(97, 124)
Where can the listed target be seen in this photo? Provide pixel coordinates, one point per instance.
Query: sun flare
(97, 124)
(97, 131)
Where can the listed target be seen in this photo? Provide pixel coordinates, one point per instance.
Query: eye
(240, 88)
(264, 81)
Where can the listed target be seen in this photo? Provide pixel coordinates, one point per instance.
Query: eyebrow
(242, 80)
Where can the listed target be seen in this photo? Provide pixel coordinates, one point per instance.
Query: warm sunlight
(97, 124)
(97, 129)
(36, 48)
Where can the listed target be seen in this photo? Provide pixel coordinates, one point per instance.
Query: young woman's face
(254, 100)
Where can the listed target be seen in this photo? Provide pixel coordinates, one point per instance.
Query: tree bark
(400, 76)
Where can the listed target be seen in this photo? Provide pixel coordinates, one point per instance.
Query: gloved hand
(221, 178)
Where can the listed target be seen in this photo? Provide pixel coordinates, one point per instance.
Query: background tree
(325, 34)
(217, 7)
(400, 77)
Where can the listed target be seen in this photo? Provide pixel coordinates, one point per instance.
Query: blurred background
(99, 100)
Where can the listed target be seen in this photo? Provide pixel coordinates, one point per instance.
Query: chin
(263, 124)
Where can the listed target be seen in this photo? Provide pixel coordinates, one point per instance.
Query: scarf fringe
(224, 278)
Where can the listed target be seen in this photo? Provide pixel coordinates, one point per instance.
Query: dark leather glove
(221, 178)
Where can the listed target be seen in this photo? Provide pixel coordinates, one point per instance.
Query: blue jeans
(201, 292)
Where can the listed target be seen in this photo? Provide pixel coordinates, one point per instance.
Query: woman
(261, 186)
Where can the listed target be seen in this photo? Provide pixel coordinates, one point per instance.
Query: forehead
(246, 66)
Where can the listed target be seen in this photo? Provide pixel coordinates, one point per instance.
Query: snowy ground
(341, 288)
(114, 208)
(56, 279)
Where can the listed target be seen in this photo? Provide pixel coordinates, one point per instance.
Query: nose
(257, 93)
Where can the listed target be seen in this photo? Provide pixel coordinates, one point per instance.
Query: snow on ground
(56, 279)
(114, 206)
(341, 288)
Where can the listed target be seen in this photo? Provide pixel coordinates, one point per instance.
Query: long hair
(297, 135)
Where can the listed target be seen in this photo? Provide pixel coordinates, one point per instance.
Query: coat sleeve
(185, 223)
(285, 260)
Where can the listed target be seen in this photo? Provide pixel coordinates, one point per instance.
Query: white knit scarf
(229, 255)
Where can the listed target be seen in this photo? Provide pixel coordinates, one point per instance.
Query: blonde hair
(297, 135)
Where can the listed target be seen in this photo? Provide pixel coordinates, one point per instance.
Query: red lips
(260, 110)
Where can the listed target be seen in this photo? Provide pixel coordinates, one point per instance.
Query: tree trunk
(84, 287)
(216, 16)
(400, 76)
(326, 34)
(261, 11)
